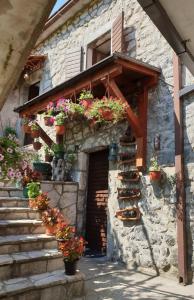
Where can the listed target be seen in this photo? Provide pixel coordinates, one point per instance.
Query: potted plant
(51, 217)
(41, 201)
(26, 126)
(154, 170)
(28, 175)
(37, 145)
(48, 154)
(72, 249)
(10, 131)
(35, 130)
(59, 123)
(64, 231)
(58, 150)
(86, 98)
(76, 111)
(63, 105)
(33, 192)
(48, 115)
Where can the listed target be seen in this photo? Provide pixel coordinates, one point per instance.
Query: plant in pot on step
(48, 152)
(58, 150)
(42, 201)
(64, 231)
(154, 169)
(28, 175)
(37, 144)
(35, 130)
(72, 250)
(60, 123)
(86, 98)
(33, 192)
(51, 217)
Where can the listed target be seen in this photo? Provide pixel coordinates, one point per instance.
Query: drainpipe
(179, 171)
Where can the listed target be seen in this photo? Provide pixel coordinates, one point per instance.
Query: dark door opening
(96, 211)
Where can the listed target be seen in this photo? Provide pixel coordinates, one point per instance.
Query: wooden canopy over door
(96, 212)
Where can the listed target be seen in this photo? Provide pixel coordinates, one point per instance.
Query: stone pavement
(111, 281)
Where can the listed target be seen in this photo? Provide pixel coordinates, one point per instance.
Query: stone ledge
(59, 182)
(39, 282)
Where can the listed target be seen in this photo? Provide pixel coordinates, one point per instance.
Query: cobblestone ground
(110, 281)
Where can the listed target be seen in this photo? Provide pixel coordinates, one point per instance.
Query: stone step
(29, 242)
(29, 263)
(11, 227)
(13, 202)
(17, 213)
(10, 192)
(45, 286)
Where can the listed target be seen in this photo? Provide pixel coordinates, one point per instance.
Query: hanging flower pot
(35, 133)
(37, 145)
(86, 98)
(155, 175)
(86, 103)
(26, 128)
(70, 267)
(48, 121)
(60, 129)
(106, 113)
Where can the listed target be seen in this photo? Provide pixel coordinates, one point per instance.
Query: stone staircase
(31, 267)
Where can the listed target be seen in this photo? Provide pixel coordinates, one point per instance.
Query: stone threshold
(20, 285)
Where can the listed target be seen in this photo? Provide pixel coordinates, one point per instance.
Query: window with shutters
(108, 43)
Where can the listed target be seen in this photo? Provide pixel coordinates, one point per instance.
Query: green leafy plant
(70, 156)
(154, 166)
(9, 131)
(76, 108)
(86, 94)
(60, 118)
(57, 148)
(33, 189)
(48, 151)
(34, 126)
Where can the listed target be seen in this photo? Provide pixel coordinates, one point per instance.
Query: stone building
(78, 43)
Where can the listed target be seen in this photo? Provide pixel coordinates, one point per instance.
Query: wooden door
(96, 213)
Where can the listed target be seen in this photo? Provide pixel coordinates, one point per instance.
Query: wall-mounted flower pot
(48, 121)
(35, 133)
(155, 175)
(86, 103)
(60, 129)
(129, 176)
(129, 194)
(37, 145)
(129, 214)
(26, 128)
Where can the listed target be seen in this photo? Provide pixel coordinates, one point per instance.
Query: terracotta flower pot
(155, 175)
(60, 129)
(51, 230)
(48, 121)
(48, 158)
(26, 128)
(32, 204)
(86, 103)
(70, 267)
(35, 133)
(37, 145)
(106, 113)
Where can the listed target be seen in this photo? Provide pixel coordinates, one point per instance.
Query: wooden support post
(44, 136)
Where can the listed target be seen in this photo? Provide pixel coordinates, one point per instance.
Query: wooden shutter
(117, 34)
(73, 60)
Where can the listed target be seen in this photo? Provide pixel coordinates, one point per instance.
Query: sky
(58, 4)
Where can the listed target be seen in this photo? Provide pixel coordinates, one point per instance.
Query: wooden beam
(95, 79)
(132, 118)
(44, 136)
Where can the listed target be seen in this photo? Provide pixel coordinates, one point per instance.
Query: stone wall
(63, 195)
(188, 116)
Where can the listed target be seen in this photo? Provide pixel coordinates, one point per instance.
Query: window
(33, 90)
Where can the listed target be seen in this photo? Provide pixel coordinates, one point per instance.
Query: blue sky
(58, 4)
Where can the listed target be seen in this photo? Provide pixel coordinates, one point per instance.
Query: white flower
(1, 157)
(9, 150)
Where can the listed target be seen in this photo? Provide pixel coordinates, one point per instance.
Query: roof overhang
(175, 20)
(111, 67)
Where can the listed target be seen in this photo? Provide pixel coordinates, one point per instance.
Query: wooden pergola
(119, 76)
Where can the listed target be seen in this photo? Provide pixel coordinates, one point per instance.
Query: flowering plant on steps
(51, 217)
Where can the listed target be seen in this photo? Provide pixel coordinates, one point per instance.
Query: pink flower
(1, 157)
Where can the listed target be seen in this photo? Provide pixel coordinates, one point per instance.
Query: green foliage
(48, 150)
(154, 166)
(33, 189)
(36, 157)
(60, 118)
(57, 148)
(9, 130)
(86, 94)
(76, 108)
(70, 156)
(34, 126)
